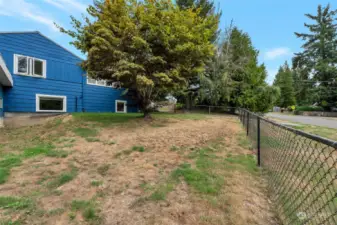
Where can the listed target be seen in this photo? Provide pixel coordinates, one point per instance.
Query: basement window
(29, 66)
(51, 103)
(121, 106)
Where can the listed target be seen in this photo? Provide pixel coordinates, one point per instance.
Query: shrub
(291, 108)
(179, 106)
(309, 108)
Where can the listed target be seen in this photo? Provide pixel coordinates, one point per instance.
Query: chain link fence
(301, 170)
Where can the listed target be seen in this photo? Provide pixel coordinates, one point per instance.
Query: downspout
(82, 97)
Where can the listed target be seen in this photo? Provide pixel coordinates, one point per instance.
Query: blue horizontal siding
(37, 45)
(100, 99)
(60, 71)
(22, 96)
(64, 77)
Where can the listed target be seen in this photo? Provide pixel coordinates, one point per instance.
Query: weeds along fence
(301, 169)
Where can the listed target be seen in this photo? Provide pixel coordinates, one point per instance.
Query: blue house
(39, 76)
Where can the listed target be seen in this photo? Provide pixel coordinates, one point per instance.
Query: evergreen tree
(235, 78)
(151, 47)
(206, 7)
(319, 56)
(284, 80)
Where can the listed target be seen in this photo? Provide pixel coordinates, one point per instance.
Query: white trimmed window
(51, 103)
(120, 106)
(103, 83)
(29, 66)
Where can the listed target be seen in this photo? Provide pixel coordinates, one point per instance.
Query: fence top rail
(323, 140)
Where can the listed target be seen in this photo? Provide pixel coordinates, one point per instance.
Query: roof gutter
(5, 76)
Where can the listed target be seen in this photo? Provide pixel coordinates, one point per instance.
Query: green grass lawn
(325, 132)
(116, 118)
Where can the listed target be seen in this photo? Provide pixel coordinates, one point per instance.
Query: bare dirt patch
(115, 175)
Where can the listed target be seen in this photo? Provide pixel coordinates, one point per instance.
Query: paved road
(311, 120)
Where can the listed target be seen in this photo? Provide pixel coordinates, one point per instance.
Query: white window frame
(30, 69)
(97, 83)
(125, 106)
(51, 96)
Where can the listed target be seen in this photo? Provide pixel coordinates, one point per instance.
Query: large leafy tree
(152, 46)
(319, 55)
(284, 80)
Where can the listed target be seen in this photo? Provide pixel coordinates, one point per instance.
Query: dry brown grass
(125, 178)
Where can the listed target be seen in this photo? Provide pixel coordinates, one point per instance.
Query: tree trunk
(147, 115)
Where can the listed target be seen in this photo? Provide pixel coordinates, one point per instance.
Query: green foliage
(284, 80)
(79, 204)
(10, 161)
(63, 178)
(291, 108)
(309, 108)
(47, 150)
(154, 47)
(201, 180)
(180, 106)
(85, 132)
(242, 162)
(205, 7)
(316, 63)
(180, 116)
(138, 148)
(57, 153)
(37, 150)
(106, 118)
(9, 202)
(6, 164)
(234, 76)
(4, 174)
(9, 222)
(96, 183)
(88, 209)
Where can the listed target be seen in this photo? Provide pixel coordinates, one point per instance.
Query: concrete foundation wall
(26, 119)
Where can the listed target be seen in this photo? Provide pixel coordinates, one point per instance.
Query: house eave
(5, 76)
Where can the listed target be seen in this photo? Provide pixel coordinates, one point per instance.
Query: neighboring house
(39, 76)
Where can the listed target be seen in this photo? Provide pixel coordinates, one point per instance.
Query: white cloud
(68, 5)
(26, 10)
(56, 3)
(277, 52)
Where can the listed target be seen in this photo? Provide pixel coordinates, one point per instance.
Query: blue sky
(270, 23)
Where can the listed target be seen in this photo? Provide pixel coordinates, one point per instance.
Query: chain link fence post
(247, 123)
(258, 142)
